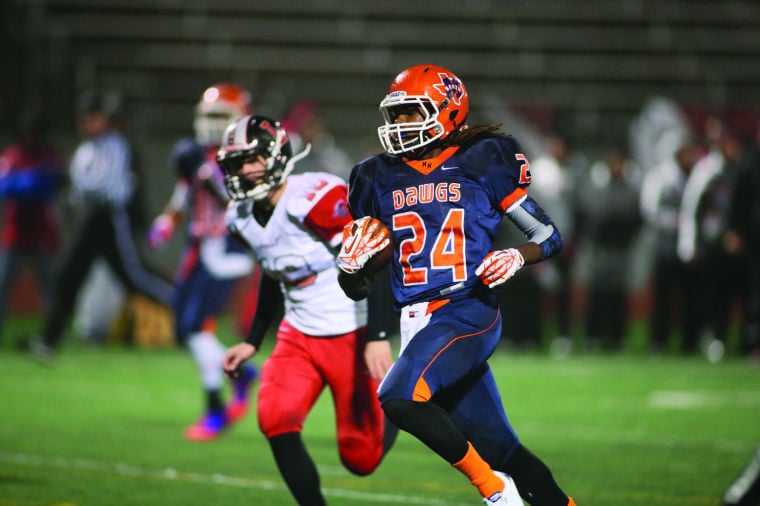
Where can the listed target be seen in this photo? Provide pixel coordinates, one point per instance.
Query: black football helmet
(249, 137)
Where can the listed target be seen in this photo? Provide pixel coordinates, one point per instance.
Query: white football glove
(498, 266)
(362, 239)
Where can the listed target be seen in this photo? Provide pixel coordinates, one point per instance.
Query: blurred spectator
(523, 326)
(104, 302)
(103, 184)
(305, 124)
(101, 300)
(743, 237)
(555, 186)
(31, 174)
(705, 215)
(675, 283)
(611, 225)
(657, 131)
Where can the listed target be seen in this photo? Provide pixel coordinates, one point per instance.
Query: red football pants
(293, 377)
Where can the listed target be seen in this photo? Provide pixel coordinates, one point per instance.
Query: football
(377, 262)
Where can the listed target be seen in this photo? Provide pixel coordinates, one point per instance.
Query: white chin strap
(260, 191)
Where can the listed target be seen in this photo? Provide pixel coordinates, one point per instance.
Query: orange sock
(570, 501)
(479, 472)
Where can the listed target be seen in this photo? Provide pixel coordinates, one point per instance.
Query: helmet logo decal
(265, 125)
(450, 87)
(341, 209)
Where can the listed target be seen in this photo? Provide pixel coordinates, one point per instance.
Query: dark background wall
(582, 67)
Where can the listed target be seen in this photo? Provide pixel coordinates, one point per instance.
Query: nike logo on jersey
(449, 168)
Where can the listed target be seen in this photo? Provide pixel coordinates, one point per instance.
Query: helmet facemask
(239, 187)
(397, 138)
(210, 123)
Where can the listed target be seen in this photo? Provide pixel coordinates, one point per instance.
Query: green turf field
(103, 427)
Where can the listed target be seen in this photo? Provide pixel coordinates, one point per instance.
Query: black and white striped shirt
(101, 170)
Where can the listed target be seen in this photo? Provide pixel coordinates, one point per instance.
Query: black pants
(676, 303)
(607, 315)
(726, 283)
(105, 233)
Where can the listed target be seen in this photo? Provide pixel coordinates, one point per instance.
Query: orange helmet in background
(440, 97)
(220, 105)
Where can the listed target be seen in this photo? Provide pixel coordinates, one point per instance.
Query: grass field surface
(103, 426)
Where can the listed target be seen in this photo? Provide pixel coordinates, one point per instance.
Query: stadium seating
(593, 63)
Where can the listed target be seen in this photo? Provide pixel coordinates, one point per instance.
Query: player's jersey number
(447, 251)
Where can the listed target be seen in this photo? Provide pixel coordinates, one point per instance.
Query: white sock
(208, 353)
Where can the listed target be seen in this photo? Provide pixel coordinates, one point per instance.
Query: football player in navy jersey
(439, 191)
(212, 262)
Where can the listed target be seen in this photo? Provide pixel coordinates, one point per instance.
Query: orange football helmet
(440, 97)
(220, 105)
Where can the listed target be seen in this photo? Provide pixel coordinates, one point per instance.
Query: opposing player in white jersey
(212, 262)
(294, 227)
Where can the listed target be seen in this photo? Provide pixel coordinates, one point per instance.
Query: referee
(103, 184)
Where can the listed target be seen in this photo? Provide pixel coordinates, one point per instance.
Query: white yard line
(691, 399)
(170, 474)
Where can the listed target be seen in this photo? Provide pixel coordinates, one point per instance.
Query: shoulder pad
(308, 189)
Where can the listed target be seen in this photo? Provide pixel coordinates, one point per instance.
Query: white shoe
(36, 349)
(508, 496)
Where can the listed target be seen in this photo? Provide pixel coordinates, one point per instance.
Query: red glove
(161, 231)
(498, 266)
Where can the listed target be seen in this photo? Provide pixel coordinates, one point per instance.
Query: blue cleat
(208, 428)
(238, 408)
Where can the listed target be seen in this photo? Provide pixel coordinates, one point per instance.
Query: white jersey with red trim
(297, 247)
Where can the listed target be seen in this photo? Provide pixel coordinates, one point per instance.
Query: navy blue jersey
(187, 156)
(443, 213)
